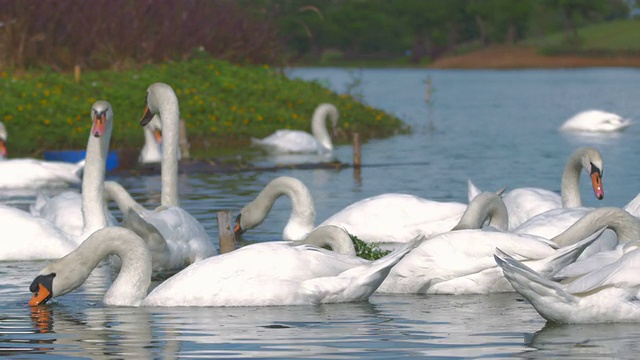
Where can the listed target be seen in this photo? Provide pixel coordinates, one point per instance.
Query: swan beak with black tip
(147, 116)
(238, 230)
(99, 121)
(596, 181)
(41, 289)
(3, 148)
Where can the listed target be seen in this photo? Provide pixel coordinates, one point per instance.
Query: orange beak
(146, 117)
(99, 120)
(3, 149)
(596, 181)
(158, 135)
(41, 296)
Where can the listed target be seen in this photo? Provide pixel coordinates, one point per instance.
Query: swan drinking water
(296, 141)
(596, 121)
(264, 274)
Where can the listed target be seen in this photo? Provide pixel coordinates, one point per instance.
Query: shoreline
(518, 57)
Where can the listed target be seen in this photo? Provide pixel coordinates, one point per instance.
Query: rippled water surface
(498, 128)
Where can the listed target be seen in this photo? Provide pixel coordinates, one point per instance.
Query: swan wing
(186, 238)
(396, 217)
(622, 273)
(525, 203)
(553, 222)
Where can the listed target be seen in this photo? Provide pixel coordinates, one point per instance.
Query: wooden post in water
(226, 236)
(183, 140)
(76, 73)
(427, 97)
(357, 157)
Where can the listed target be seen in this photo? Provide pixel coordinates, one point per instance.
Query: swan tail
(563, 257)
(360, 282)
(528, 282)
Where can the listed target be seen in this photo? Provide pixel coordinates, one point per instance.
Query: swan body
(296, 141)
(461, 261)
(274, 273)
(40, 238)
(608, 293)
(33, 173)
(525, 203)
(595, 121)
(599, 288)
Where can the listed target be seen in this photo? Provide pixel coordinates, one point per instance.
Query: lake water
(498, 128)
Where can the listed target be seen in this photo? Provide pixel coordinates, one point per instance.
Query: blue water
(498, 128)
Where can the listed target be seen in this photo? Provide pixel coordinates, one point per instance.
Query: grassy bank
(223, 105)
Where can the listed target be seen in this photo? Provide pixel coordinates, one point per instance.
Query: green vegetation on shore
(223, 104)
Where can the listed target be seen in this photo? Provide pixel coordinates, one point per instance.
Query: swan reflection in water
(588, 340)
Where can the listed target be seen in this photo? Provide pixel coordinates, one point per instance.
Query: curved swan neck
(319, 124)
(485, 206)
(625, 225)
(303, 211)
(570, 190)
(114, 191)
(94, 208)
(134, 278)
(333, 237)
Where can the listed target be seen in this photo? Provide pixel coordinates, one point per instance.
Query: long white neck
(331, 236)
(303, 213)
(485, 206)
(625, 225)
(133, 280)
(570, 184)
(319, 124)
(114, 191)
(170, 117)
(94, 208)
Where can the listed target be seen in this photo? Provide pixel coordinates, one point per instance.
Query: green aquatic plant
(369, 251)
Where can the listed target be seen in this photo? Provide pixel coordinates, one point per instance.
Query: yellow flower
(4, 74)
(20, 108)
(69, 121)
(260, 118)
(245, 121)
(265, 66)
(79, 129)
(47, 121)
(8, 117)
(47, 92)
(295, 116)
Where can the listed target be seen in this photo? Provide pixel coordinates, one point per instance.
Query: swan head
(52, 282)
(157, 94)
(592, 162)
(102, 116)
(3, 141)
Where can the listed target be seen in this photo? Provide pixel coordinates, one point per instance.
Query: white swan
(151, 151)
(595, 121)
(461, 261)
(27, 173)
(186, 238)
(274, 273)
(386, 219)
(607, 293)
(28, 237)
(297, 141)
(527, 202)
(3, 141)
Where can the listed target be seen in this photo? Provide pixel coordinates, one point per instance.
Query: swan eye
(596, 170)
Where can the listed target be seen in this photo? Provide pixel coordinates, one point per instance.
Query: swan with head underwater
(595, 121)
(27, 173)
(186, 239)
(605, 293)
(525, 203)
(263, 274)
(301, 142)
(387, 219)
(461, 261)
(40, 239)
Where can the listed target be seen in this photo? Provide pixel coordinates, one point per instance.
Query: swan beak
(147, 116)
(99, 120)
(3, 148)
(41, 296)
(238, 230)
(596, 181)
(158, 136)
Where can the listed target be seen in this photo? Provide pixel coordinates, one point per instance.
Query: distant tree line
(122, 33)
